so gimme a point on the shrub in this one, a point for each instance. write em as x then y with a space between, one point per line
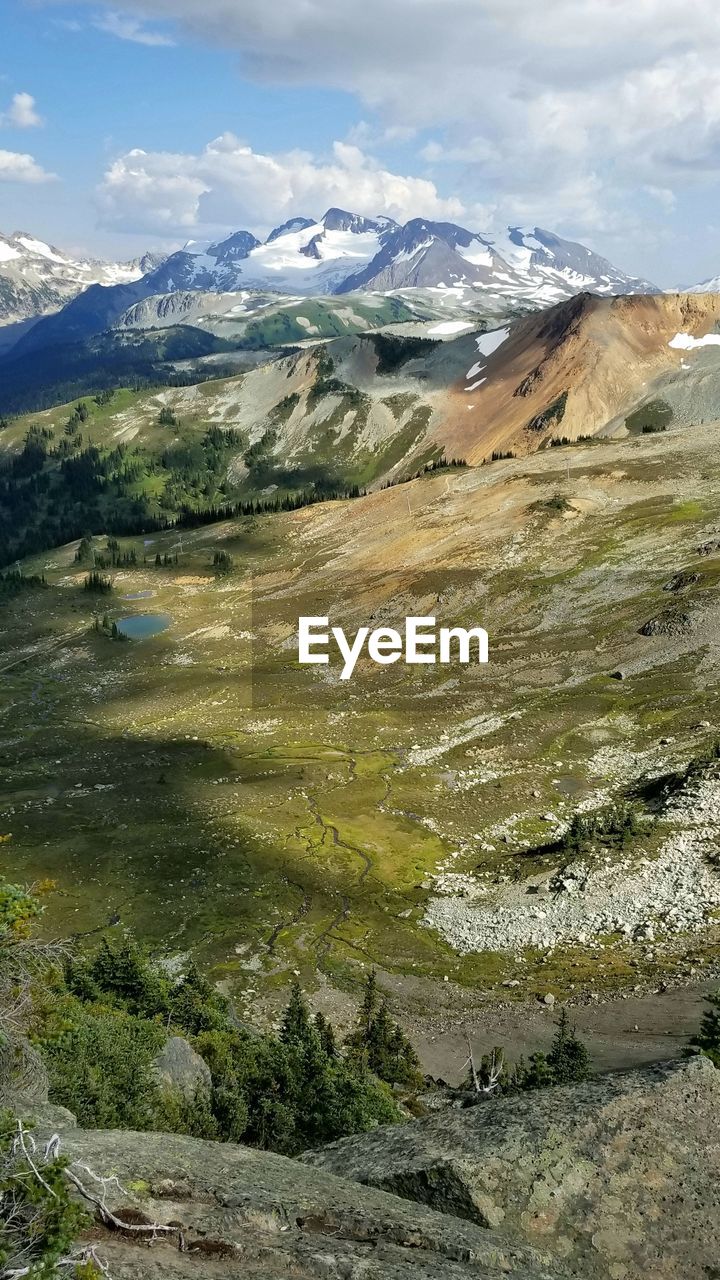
39 1221
99 1063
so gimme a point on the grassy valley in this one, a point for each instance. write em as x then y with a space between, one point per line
205 791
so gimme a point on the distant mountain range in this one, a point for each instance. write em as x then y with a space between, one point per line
36 278
706 286
341 253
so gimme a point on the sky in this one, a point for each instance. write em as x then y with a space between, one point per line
145 125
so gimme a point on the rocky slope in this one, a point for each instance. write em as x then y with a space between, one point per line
582 368
615 1179
236 1212
619 1177
368 407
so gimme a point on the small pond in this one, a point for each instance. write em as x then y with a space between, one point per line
139 595
142 625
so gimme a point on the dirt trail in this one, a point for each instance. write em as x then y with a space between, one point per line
664 1022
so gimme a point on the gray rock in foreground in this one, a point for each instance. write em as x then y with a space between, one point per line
251 1213
619 1177
180 1069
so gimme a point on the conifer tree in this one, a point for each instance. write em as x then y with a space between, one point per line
296 1027
707 1039
326 1035
568 1058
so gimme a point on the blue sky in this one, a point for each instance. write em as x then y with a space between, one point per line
162 120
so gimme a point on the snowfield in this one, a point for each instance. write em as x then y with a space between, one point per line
448 327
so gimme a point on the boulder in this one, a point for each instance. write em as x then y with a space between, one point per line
237 1212
180 1069
619 1176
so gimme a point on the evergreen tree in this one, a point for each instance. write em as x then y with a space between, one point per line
326 1035
95 583
369 1006
379 1045
120 970
568 1058
195 1004
707 1038
537 1075
296 1027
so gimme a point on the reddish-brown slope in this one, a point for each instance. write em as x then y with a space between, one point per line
602 354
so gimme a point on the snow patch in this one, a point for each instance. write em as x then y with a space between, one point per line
38 246
448 327
686 342
486 343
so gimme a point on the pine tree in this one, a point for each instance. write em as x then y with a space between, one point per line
326 1035
379 1044
195 1004
296 1027
707 1040
369 1006
538 1073
568 1058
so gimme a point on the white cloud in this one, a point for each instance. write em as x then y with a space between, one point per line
229 184
524 97
17 167
126 28
664 196
21 113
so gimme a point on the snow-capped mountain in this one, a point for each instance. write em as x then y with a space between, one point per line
524 265
36 278
301 256
706 286
344 252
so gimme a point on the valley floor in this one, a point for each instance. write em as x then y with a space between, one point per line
201 788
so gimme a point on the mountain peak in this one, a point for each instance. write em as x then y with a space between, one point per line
345 252
292 224
37 279
342 220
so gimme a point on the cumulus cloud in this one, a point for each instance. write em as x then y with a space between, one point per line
21 114
524 97
18 167
230 184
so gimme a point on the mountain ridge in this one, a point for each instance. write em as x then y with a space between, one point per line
345 252
37 278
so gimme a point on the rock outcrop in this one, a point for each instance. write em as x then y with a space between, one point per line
618 1177
246 1213
180 1069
